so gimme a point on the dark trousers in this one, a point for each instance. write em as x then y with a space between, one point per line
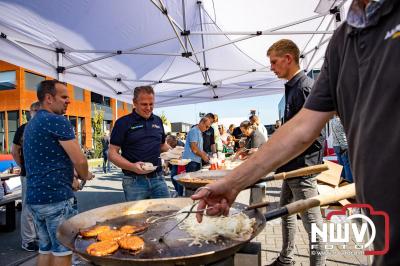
106 162
178 187
193 167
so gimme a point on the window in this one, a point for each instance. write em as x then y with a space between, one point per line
100 99
7 80
129 107
107 101
81 136
78 93
120 105
107 125
72 120
2 132
13 123
32 81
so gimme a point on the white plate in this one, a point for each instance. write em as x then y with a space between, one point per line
169 155
180 162
149 167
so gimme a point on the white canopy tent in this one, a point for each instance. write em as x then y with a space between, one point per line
174 45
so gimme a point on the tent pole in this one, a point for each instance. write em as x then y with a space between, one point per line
126 50
312 36
239 70
263 32
115 53
140 80
60 64
207 76
315 63
318 45
11 41
184 22
164 10
118 53
92 74
51 49
256 33
171 22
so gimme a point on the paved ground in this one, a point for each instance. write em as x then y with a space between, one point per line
106 189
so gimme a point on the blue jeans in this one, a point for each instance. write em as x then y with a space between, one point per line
178 187
343 159
47 218
193 167
140 187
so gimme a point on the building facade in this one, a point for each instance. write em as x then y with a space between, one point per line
18 91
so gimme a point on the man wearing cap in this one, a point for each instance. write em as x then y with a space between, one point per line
140 137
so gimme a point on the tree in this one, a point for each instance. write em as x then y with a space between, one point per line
97 123
165 120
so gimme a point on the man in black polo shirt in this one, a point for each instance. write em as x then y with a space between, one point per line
208 137
237 134
284 56
140 137
360 81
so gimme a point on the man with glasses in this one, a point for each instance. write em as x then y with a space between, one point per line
194 145
28 231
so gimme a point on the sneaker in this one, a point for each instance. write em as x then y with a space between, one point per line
31 246
277 262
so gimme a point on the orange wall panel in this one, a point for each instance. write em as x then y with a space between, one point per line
21 99
10 99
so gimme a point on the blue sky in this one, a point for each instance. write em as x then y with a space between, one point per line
265 106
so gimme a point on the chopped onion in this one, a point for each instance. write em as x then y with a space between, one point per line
236 227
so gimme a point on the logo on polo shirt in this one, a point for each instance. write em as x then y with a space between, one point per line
155 126
136 127
394 33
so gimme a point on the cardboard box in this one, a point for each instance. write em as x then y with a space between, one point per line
332 176
330 208
330 180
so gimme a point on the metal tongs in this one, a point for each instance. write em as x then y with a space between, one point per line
153 219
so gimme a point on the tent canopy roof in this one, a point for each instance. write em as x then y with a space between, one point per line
173 45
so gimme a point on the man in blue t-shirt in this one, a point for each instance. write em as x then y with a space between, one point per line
194 145
140 137
51 154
